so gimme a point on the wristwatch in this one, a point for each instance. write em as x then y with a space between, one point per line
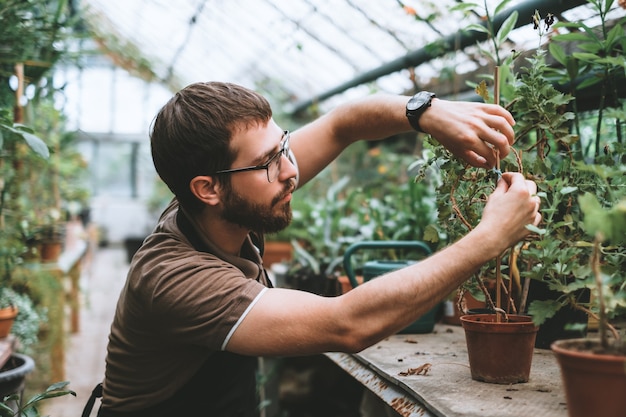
416 106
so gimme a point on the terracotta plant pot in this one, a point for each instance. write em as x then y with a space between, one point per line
275 252
452 313
51 251
595 384
7 317
499 352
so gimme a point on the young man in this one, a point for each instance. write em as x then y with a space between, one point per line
198 309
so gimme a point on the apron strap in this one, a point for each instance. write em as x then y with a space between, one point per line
96 393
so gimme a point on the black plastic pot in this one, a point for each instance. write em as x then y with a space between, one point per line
132 245
12 376
555 328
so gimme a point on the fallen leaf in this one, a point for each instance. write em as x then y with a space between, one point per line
420 370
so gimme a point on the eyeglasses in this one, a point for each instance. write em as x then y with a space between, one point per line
271 167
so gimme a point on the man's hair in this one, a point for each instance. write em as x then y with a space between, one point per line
191 134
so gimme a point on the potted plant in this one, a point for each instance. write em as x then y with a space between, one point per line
16 139
565 166
594 369
547 150
500 344
11 405
598 362
320 230
25 329
8 312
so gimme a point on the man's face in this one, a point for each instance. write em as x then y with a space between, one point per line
260 217
249 200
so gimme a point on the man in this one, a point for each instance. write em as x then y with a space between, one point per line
198 309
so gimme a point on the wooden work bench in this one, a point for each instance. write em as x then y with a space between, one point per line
68 272
447 389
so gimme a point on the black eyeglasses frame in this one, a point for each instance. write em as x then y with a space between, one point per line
284 150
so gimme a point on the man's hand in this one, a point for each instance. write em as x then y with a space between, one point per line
470 131
512 206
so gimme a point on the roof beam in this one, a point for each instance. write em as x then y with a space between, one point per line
450 43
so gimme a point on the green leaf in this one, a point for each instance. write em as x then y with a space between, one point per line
463 6
617 223
590 47
58 386
543 310
588 83
568 190
595 218
507 27
34 142
575 36
535 229
431 234
558 53
23 128
477 28
501 6
5 410
585 56
30 412
37 145
572 69
614 34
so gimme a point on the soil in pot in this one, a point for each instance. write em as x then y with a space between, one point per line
595 383
499 352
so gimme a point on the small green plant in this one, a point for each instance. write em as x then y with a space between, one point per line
15 140
373 201
29 408
608 228
28 321
597 62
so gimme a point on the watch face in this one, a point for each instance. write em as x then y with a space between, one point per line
418 101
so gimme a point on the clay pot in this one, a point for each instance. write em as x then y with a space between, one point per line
452 313
51 251
345 283
7 317
499 352
595 384
275 252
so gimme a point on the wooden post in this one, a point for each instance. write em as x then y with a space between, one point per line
18 111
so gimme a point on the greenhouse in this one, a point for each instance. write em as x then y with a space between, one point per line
312 208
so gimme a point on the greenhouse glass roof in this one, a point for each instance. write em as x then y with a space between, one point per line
299 50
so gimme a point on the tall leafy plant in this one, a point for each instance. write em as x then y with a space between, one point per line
546 151
16 140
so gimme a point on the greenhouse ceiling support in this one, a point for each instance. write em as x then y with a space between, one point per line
448 44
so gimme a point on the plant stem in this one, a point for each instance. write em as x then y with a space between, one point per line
595 267
593 315
496 98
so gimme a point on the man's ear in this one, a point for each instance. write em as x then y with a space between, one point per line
206 189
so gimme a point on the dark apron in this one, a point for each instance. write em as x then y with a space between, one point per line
225 385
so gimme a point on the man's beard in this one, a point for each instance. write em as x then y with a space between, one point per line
257 217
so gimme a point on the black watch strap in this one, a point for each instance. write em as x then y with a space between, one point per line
416 106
